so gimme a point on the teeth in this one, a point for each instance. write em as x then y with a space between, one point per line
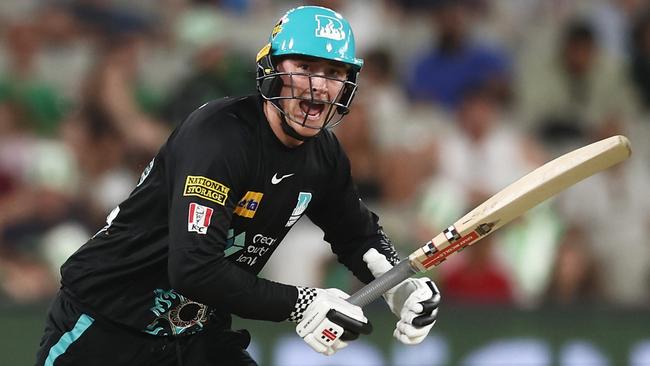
311 111
310 116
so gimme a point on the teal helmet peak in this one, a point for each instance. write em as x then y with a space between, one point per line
313 31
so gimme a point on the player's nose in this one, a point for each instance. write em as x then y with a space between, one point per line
318 86
318 82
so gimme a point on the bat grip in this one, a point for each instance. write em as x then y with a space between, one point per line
383 283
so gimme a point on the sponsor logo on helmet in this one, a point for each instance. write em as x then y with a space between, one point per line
247 206
329 27
206 188
263 52
278 26
277 29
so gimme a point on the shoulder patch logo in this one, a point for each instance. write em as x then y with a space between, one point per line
198 218
247 206
206 188
303 201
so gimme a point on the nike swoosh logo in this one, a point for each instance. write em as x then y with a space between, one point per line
276 180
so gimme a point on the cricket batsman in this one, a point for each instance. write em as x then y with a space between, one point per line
158 284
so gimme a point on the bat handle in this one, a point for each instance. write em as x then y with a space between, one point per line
383 283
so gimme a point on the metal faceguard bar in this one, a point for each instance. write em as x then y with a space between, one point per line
333 105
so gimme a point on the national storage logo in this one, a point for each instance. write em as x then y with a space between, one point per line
206 188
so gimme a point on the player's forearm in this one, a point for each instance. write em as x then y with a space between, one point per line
218 283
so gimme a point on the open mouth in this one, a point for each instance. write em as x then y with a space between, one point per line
311 110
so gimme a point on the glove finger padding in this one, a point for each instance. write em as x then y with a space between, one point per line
428 305
416 292
352 327
419 312
426 319
409 330
429 308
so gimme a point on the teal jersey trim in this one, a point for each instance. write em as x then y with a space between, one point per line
68 338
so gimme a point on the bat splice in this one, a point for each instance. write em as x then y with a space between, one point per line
458 243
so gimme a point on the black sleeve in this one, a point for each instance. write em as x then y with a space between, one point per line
206 176
349 226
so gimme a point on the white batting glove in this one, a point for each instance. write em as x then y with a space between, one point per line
326 320
415 301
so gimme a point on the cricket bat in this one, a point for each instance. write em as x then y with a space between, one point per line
508 204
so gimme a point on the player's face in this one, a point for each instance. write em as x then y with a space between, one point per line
312 87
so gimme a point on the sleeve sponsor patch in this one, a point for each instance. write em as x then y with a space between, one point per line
198 218
301 207
248 205
206 188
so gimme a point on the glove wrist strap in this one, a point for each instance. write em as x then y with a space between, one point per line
306 296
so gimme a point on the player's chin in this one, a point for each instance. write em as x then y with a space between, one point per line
311 126
305 131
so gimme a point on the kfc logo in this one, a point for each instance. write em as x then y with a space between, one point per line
199 218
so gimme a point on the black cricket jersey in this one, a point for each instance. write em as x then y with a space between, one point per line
207 213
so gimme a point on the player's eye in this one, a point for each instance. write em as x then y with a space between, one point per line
303 67
337 73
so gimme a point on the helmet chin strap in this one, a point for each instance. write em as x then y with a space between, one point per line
289 130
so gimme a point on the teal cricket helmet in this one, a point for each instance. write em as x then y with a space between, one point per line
317 32
311 31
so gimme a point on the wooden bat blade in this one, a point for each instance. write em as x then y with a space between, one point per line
520 196
509 203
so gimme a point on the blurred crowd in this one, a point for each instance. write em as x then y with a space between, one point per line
457 99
